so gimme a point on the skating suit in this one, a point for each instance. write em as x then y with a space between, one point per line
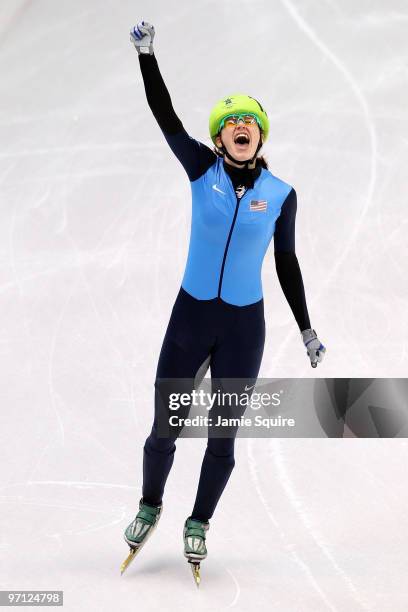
217 320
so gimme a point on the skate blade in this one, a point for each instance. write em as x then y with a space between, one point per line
129 559
195 568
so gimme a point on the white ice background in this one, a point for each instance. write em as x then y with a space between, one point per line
94 228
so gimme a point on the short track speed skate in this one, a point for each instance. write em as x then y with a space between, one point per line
140 530
194 545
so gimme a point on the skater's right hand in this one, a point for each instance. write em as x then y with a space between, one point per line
142 37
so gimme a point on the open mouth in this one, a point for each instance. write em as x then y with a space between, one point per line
241 140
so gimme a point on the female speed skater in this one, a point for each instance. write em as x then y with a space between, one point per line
218 316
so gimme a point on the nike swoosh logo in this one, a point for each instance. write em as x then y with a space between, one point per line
219 190
248 388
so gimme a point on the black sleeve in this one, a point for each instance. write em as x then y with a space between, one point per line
287 265
195 156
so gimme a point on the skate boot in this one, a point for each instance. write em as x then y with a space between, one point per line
194 545
140 530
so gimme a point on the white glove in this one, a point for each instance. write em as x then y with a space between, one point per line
142 37
314 347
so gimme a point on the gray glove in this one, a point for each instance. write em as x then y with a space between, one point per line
314 347
142 37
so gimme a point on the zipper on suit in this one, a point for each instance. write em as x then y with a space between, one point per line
227 244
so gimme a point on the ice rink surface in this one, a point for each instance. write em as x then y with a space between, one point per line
95 216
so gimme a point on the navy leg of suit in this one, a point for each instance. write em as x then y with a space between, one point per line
232 337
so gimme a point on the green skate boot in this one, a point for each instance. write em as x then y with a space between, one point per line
194 545
140 530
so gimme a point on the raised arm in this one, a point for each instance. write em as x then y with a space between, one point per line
195 157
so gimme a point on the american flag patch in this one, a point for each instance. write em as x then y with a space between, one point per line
258 205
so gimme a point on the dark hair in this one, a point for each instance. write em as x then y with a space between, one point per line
260 159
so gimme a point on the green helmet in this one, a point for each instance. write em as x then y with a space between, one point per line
234 104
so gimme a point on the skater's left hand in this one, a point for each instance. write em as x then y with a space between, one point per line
314 347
